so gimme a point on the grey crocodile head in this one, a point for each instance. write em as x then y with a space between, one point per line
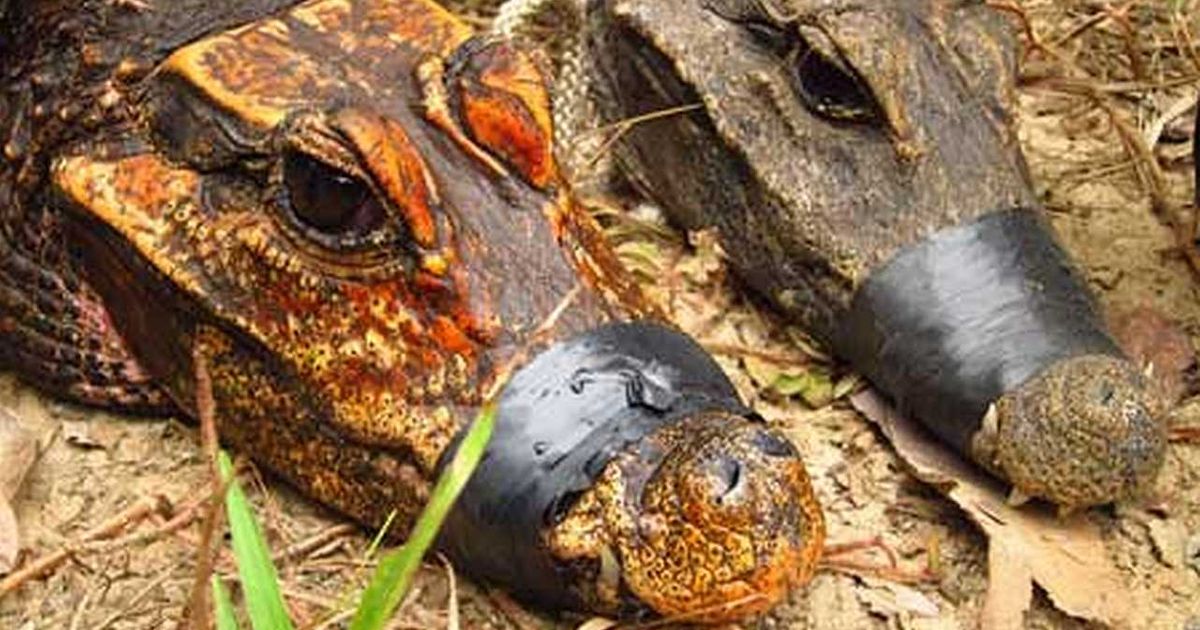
859 162
829 134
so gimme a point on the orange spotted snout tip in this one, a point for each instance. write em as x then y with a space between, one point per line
727 523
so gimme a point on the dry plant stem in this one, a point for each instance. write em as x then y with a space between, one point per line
81 610
517 616
314 542
1098 174
327 549
272 512
875 542
182 518
1120 16
196 613
1034 42
1148 168
1084 26
294 595
402 612
1154 181
622 127
335 621
875 570
889 570
1184 40
452 622
1145 163
1078 85
1189 434
674 282
128 609
44 565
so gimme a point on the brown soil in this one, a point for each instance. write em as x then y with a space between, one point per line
1108 206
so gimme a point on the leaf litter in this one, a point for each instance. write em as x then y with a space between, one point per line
1030 544
18 451
1109 210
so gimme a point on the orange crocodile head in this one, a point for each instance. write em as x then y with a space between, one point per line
351 210
358 192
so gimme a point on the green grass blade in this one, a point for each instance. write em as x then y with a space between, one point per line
223 606
396 568
264 604
373 548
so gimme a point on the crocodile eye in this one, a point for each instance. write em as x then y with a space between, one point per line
829 88
826 84
327 200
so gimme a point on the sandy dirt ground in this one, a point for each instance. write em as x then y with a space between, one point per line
1111 160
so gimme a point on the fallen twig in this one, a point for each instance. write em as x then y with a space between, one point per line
1184 434
314 542
39 568
124 611
197 611
452 599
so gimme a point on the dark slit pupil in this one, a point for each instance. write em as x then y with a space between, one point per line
326 199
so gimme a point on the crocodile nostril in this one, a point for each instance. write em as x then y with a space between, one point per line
727 477
774 445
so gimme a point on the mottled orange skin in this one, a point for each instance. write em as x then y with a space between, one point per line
495 93
690 542
387 345
348 365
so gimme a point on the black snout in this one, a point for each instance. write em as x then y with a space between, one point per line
952 323
560 421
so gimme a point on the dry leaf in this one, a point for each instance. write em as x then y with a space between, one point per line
1169 538
87 436
18 449
812 384
10 538
1010 586
1192 552
889 598
597 623
641 257
763 373
707 258
1066 557
1157 343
